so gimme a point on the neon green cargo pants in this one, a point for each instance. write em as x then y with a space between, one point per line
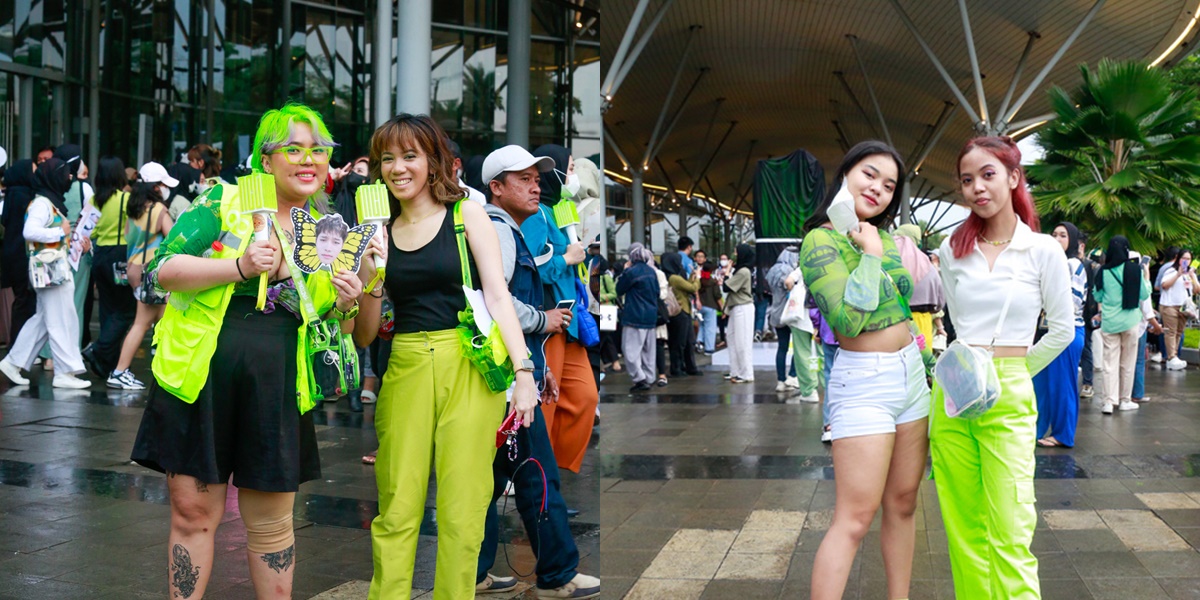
983 470
433 408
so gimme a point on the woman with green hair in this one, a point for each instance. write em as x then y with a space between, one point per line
234 401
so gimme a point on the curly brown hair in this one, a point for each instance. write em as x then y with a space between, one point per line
417 131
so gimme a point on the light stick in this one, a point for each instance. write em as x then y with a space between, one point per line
257 191
373 207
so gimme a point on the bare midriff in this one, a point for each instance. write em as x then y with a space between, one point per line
890 339
1008 351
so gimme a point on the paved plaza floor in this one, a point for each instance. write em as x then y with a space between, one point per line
78 520
717 490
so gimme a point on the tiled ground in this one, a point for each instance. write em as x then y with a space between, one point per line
711 490
77 520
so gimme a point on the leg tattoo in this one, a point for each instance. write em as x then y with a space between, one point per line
201 487
184 575
282 560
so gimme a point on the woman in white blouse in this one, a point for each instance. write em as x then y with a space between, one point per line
983 468
1178 285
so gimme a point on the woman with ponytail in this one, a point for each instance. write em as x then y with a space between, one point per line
1120 290
1008 276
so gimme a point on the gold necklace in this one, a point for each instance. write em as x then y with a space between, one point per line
997 243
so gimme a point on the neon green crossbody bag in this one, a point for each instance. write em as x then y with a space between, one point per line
488 353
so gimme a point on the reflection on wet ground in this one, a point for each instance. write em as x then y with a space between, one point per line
719 490
79 520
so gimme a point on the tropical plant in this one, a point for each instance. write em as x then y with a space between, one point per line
1120 158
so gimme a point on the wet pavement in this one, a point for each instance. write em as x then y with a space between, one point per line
78 520
716 490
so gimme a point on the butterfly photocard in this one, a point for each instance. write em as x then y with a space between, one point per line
328 244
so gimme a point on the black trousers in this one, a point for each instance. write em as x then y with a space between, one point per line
679 341
24 305
117 306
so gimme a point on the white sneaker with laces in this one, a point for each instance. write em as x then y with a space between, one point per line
12 372
1176 364
1106 409
71 382
792 383
1128 405
124 380
1156 357
811 398
781 387
1085 391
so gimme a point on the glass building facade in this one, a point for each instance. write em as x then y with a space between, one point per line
166 74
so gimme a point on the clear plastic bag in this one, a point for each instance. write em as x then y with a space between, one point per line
967 378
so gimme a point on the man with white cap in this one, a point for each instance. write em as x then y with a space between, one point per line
511 173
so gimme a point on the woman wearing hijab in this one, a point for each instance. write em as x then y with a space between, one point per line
739 305
18 193
683 358
638 285
1057 387
1119 290
46 227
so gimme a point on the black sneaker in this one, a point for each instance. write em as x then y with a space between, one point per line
89 358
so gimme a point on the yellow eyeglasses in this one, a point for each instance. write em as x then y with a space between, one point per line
296 155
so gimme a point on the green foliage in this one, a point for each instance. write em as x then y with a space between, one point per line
1122 158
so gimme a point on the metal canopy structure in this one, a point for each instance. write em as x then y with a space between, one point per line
696 88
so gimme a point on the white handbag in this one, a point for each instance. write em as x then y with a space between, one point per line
967 375
48 268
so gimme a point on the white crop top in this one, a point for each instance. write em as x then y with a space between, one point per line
1035 268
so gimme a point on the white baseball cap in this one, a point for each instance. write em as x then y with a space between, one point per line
513 158
153 172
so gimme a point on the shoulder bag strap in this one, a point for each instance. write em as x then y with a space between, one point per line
306 305
460 235
1003 315
121 238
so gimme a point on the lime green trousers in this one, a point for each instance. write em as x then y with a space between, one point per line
434 409
983 470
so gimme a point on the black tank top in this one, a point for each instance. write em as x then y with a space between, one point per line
425 285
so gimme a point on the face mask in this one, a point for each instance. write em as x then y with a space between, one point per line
572 184
724 262
164 191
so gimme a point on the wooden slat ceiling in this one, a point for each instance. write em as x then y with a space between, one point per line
773 62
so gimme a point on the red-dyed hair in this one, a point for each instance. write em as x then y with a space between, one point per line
1005 149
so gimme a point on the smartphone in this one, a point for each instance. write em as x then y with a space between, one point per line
565 304
1145 261
511 425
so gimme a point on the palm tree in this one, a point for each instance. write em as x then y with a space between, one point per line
1120 158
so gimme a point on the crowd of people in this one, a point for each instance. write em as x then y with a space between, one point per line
182 250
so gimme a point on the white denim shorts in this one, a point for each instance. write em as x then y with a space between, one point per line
873 392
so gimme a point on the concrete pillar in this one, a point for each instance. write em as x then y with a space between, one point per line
93 121
414 55
381 88
683 219
906 215
520 16
25 123
285 50
638 219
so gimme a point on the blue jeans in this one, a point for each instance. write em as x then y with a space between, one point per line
760 314
782 370
708 328
1139 370
549 535
830 351
1085 358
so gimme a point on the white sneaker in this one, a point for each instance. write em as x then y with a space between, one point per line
781 387
1156 357
582 586
810 398
826 436
1106 409
12 372
792 383
124 380
1128 405
1176 364
66 380
1085 391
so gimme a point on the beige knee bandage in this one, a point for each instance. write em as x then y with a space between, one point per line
268 520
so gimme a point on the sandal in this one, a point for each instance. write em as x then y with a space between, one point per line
369 459
1049 442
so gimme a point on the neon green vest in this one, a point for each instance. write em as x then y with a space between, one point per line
186 336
